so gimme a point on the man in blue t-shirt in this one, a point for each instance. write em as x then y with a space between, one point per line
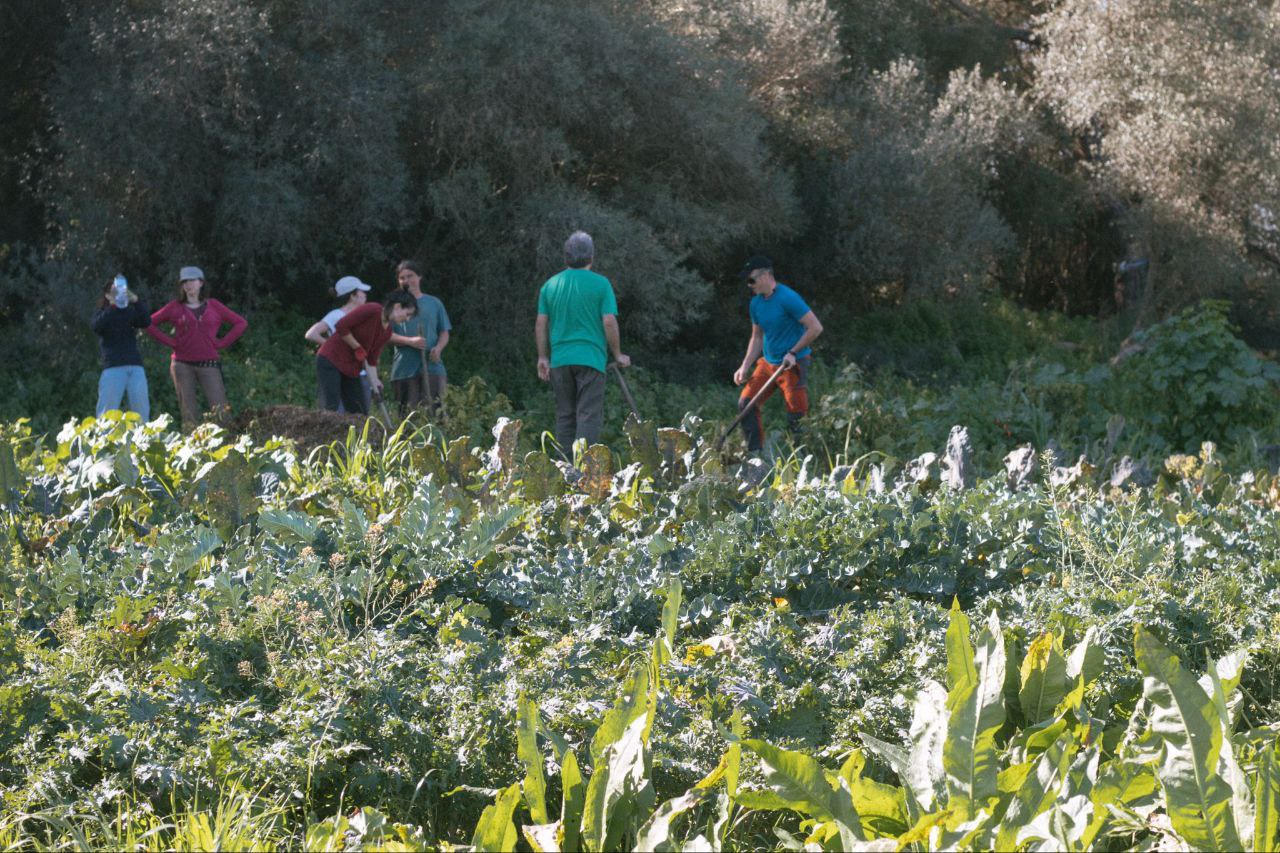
782 327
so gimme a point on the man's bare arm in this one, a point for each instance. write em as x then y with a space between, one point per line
542 338
754 348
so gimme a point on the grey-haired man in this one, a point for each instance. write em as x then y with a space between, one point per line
576 330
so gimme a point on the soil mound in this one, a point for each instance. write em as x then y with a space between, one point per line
308 428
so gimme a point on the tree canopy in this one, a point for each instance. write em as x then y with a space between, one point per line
880 151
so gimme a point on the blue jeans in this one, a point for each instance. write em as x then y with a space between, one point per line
115 382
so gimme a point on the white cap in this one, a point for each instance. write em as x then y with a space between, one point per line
349 283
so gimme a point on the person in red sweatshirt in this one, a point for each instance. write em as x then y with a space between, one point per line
195 320
356 343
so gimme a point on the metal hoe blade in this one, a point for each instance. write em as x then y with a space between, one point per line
382 407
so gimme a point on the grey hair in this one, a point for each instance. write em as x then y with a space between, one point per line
579 249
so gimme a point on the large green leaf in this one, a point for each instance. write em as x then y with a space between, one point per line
673 444
656 833
1044 675
619 791
671 614
290 526
1061 826
535 785
573 803
881 808
543 837
663 649
976 705
327 836
11 480
1184 719
597 472
925 776
644 445
225 492
460 462
1087 658
481 535
1038 790
894 756
800 782
960 666
719 827
1120 783
631 704
1084 665
126 469
502 455
925 831
619 785
1220 683
495 831
734 753
540 477
1266 800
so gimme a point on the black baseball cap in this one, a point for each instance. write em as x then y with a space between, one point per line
755 262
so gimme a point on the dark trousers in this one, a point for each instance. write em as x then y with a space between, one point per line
337 387
579 394
409 391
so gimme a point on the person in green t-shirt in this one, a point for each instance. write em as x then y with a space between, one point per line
577 328
419 343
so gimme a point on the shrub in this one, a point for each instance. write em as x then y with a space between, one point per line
1194 379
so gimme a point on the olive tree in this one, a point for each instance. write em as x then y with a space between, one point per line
910 205
280 145
248 138
530 120
1175 104
787 53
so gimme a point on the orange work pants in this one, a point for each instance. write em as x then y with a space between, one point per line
795 396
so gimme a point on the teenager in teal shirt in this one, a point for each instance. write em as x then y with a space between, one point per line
577 329
421 339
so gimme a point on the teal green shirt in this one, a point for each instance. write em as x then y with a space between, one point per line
574 302
429 322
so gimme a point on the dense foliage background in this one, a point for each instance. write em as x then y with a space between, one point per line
1049 223
416 641
1089 157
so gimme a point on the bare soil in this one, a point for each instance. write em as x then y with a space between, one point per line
309 428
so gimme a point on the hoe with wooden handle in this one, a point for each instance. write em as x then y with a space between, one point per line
382 406
626 392
435 406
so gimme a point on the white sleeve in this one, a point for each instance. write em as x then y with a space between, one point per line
331 319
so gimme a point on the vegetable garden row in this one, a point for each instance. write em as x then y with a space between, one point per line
415 643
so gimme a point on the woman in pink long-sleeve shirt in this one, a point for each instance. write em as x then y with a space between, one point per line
195 320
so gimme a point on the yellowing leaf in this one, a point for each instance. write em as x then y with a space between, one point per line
712 646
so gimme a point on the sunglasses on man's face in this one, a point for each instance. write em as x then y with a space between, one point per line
752 279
